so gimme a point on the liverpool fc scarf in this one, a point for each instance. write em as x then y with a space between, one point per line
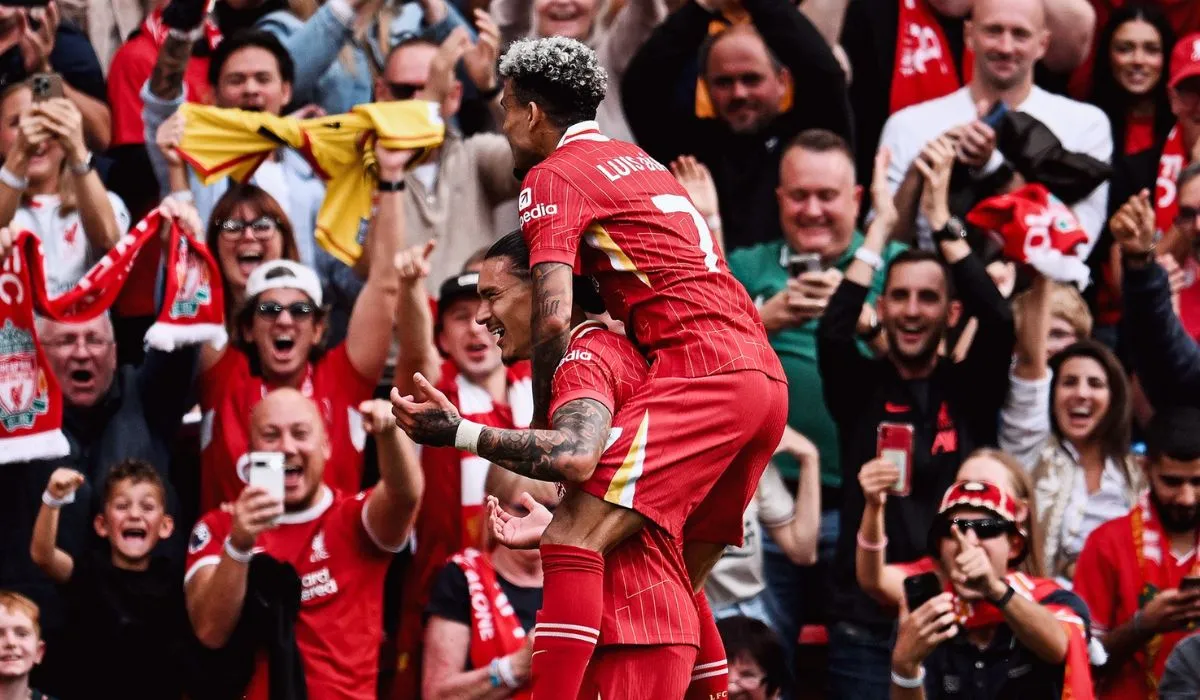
924 67
340 148
1077 676
30 400
1170 164
1153 549
495 628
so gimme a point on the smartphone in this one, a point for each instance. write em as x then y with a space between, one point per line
799 263
46 86
920 589
266 471
995 114
894 442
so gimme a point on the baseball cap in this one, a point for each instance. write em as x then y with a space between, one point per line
460 286
1185 59
284 274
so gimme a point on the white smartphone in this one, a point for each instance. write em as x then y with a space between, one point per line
266 471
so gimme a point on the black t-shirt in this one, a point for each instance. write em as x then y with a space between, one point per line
450 599
125 630
958 669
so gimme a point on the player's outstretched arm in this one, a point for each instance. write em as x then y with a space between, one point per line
567 452
551 323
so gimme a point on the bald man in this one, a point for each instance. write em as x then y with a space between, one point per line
339 544
1008 37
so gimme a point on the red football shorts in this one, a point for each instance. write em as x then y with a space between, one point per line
638 672
688 452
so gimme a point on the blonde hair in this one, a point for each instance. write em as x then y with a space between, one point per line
1065 302
68 201
16 603
1022 490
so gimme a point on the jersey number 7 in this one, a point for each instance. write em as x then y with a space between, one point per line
677 204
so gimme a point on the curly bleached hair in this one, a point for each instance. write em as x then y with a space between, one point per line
561 75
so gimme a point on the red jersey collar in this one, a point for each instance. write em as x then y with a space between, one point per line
312 512
585 328
582 131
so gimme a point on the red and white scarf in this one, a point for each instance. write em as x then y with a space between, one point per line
154 28
924 68
30 399
1077 675
1153 549
495 628
1170 164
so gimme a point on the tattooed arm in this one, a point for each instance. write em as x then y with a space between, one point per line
568 451
166 81
551 323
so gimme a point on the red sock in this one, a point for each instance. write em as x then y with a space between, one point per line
710 677
569 621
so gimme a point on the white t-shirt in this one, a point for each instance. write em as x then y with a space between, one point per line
67 252
1081 127
738 575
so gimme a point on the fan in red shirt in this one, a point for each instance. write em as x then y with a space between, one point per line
340 545
279 333
1133 572
646 618
485 391
714 404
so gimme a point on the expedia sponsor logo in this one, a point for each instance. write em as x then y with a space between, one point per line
317 584
538 211
524 198
576 354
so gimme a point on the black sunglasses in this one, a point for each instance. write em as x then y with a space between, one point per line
298 310
404 91
984 528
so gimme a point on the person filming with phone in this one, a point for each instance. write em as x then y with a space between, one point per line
915 407
1139 573
971 626
338 547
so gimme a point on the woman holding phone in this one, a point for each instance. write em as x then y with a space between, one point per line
885 582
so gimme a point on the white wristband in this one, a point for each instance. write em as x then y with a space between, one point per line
909 683
57 502
13 180
506 672
236 554
870 257
183 196
467 437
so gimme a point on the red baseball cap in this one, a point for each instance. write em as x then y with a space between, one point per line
979 494
1185 59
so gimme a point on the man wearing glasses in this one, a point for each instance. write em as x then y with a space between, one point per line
111 413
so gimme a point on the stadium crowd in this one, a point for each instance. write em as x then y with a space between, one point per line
971 229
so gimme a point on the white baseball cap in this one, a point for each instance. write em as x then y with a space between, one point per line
284 274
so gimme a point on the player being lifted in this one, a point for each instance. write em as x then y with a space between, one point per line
714 404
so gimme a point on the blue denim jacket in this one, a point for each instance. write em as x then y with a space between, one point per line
322 77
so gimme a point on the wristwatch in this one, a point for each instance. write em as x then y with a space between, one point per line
84 166
1002 601
952 231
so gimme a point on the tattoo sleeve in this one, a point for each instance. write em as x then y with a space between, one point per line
551 328
166 81
568 452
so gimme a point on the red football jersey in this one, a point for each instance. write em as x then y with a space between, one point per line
659 270
341 570
647 593
228 391
1108 579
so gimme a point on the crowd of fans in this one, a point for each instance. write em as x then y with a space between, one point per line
977 220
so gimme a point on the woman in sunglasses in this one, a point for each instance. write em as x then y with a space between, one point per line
279 335
885 582
992 632
1067 418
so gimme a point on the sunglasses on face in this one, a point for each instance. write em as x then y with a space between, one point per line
1186 216
260 228
984 529
271 310
404 91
